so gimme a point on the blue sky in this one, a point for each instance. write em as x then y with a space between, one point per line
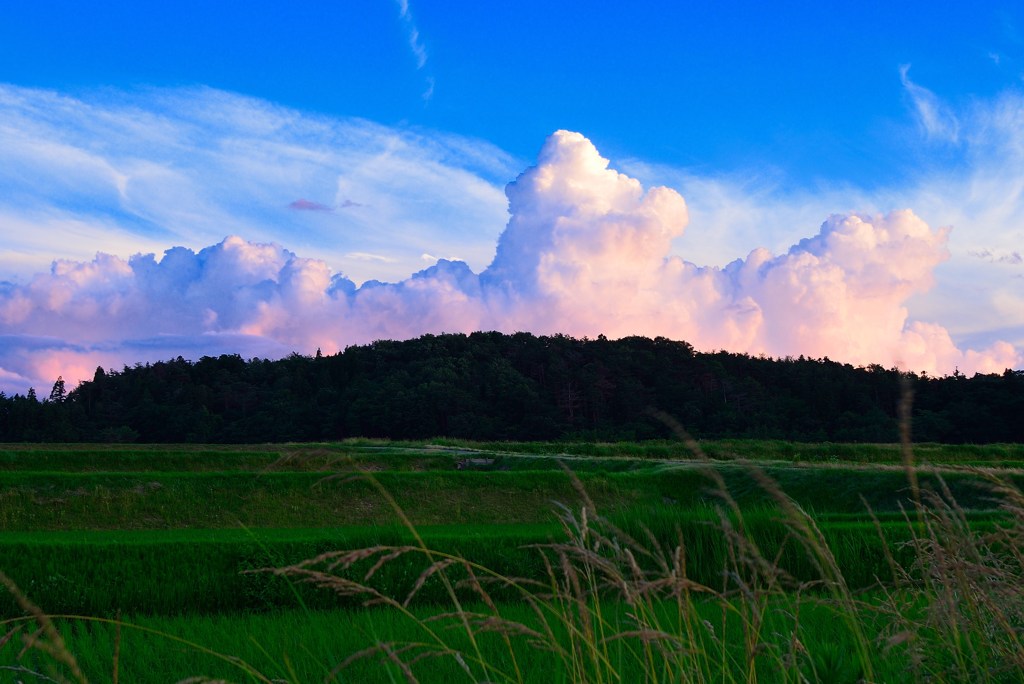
711 85
378 136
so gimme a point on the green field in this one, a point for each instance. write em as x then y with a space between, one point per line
654 561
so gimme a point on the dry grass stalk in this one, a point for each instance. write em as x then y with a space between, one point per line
966 577
46 639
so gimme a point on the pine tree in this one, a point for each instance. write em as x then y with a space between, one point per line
58 394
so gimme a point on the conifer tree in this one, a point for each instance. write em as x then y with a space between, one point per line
58 394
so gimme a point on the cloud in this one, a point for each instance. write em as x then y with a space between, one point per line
366 256
309 205
434 259
591 245
587 250
415 45
937 120
978 189
419 51
137 171
975 186
1007 258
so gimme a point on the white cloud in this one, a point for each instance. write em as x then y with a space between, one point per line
365 256
975 186
126 172
586 251
593 247
936 119
419 51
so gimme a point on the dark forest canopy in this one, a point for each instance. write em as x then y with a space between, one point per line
492 386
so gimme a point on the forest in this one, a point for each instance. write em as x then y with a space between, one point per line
494 386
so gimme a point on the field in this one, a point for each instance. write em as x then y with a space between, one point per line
655 561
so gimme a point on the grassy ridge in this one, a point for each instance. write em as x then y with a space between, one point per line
205 571
56 501
444 453
209 576
49 501
759 450
212 458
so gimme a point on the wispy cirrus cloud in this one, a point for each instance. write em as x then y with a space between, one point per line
137 171
415 44
366 256
936 119
419 51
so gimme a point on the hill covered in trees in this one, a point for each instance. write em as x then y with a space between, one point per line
492 386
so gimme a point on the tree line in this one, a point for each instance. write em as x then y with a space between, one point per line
493 386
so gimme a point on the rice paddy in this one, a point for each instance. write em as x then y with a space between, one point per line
756 561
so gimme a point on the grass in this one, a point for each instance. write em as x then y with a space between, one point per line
304 646
612 608
204 571
58 501
444 454
668 571
40 501
616 609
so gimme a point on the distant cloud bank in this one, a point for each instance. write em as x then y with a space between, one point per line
586 251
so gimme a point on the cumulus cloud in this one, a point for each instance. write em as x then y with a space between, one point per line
587 250
591 245
981 194
975 185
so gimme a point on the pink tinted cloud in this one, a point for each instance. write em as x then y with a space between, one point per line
308 205
586 251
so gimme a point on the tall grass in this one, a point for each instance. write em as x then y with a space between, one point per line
782 599
615 607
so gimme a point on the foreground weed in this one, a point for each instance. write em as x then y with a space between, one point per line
54 662
45 638
610 608
615 603
614 608
957 611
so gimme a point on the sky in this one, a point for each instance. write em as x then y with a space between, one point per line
820 179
